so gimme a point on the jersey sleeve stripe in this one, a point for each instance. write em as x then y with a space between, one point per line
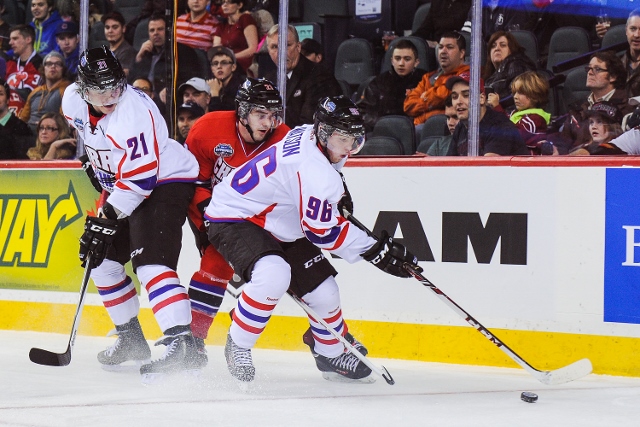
146 183
144 168
246 327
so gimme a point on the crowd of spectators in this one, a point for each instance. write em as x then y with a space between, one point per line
219 43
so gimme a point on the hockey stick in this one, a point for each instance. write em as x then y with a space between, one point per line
49 358
565 374
380 371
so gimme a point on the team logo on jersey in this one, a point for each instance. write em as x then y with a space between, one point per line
354 111
78 124
223 150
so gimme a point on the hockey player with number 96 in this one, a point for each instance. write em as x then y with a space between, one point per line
149 179
288 192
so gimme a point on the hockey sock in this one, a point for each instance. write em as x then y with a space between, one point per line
168 298
269 281
206 290
325 301
117 291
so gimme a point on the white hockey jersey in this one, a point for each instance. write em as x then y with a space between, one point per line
292 191
129 149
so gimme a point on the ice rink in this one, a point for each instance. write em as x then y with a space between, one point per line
289 391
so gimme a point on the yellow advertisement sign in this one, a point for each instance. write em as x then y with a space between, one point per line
41 220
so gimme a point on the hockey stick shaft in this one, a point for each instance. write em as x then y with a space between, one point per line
568 373
379 371
49 358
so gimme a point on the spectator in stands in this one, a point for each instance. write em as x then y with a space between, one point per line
441 146
504 15
46 98
498 136
197 28
427 99
68 46
5 30
606 77
54 140
226 79
23 70
150 62
143 84
114 30
188 113
195 90
15 136
631 58
312 50
604 126
307 83
443 16
45 21
386 93
149 8
505 61
239 33
530 94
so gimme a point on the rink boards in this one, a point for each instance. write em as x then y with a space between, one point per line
544 252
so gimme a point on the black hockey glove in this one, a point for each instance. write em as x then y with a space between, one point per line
346 202
390 256
88 169
98 236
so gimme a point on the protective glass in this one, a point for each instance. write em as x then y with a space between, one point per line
345 143
259 114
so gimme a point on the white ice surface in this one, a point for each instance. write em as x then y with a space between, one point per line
289 391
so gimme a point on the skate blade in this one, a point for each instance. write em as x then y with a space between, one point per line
335 377
244 386
128 366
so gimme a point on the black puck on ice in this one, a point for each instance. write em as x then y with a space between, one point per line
529 397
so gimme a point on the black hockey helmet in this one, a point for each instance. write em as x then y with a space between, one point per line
339 113
99 71
259 94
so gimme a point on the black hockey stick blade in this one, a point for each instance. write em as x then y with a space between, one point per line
49 358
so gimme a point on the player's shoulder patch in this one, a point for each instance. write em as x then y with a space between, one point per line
223 150
78 124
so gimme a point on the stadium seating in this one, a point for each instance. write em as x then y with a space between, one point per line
354 62
382 145
399 127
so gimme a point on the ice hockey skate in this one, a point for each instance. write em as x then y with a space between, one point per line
202 351
180 356
130 350
343 368
239 363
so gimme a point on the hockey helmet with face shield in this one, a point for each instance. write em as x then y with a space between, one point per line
339 126
258 97
101 79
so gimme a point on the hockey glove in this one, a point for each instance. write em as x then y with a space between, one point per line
88 169
98 236
346 202
390 256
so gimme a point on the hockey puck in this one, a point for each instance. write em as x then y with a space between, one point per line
529 397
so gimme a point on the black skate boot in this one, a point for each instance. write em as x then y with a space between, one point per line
202 351
307 338
344 368
130 346
181 355
239 363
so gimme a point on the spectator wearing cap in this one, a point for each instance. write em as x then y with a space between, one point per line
23 70
45 21
46 98
15 136
197 28
604 126
606 78
498 135
188 113
67 40
226 80
114 30
195 90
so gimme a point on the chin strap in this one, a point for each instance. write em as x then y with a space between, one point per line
248 128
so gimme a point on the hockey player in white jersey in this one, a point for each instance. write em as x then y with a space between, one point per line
288 192
149 180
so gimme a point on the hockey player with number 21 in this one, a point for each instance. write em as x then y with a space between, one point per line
291 191
149 178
